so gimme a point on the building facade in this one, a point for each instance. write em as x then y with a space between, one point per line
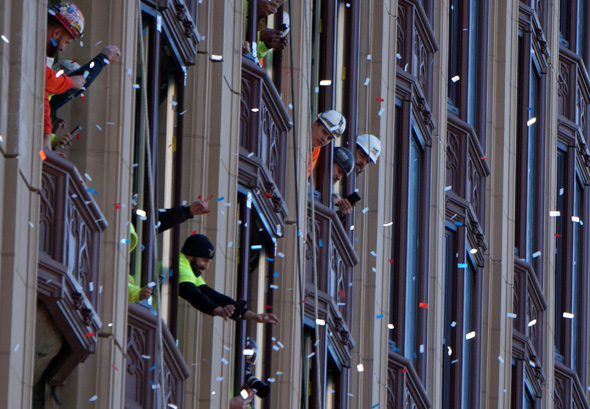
459 281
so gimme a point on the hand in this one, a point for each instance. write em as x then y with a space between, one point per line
237 402
224 312
61 140
266 7
79 81
110 51
145 293
344 205
246 47
201 206
272 39
268 318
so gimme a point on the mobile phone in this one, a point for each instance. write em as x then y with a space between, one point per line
353 198
76 131
284 29
239 311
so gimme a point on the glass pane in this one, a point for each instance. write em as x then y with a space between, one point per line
532 164
468 326
449 329
576 279
559 249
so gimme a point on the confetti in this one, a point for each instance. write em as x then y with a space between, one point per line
219 378
575 219
89 334
554 213
532 322
360 367
173 103
248 352
117 206
276 274
42 154
380 316
125 241
531 363
91 286
152 368
151 284
93 399
74 196
500 359
244 393
461 265
511 315
274 287
536 254
320 243
447 188
367 81
454 362
455 78
276 348
87 176
16 347
557 235
221 199
398 56
215 57
320 321
473 251
568 315
93 191
458 224
230 244
423 305
375 405
365 210
99 128
280 345
136 86
310 355
531 121
31 225
114 367
5 39
380 100
146 356
172 406
390 326
453 324
388 224
381 112
374 270
325 83
373 254
368 57
224 361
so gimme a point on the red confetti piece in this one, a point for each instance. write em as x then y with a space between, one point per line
42 154
82 97
268 306
268 194
75 61
199 197
404 370
112 60
380 100
303 301
195 232
78 136
114 367
557 235
423 305
81 181
483 158
391 260
89 334
342 294
117 206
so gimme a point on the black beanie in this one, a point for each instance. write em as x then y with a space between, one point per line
198 245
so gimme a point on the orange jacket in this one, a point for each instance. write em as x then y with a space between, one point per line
54 84
315 155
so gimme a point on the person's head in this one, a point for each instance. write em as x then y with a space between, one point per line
368 148
65 23
199 251
329 125
343 163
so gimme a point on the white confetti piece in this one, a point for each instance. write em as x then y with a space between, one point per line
250 154
536 254
388 224
215 57
280 345
110 123
281 255
93 399
172 406
91 286
422 348
568 315
226 348
511 315
248 352
398 56
455 78
561 192
453 324
146 356
320 321
279 373
231 243
317 90
31 225
98 43
16 347
244 393
367 81
531 363
325 83
274 287
373 254
219 378
554 213
310 355
81 44
447 188
365 210
532 322
270 380
100 289
59 73
360 367
276 348
575 219
374 270
368 57
449 350
381 112
224 361
291 106
531 121
470 335
454 362
5 39
500 359
173 103
136 86
98 127
87 176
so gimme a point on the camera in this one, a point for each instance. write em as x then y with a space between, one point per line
260 388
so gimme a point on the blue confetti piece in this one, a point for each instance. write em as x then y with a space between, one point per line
153 367
221 199
461 265
256 247
152 382
458 224
92 191
356 240
415 356
142 247
171 271
375 405
298 233
276 274
380 316
125 241
396 349
529 108
320 243
270 259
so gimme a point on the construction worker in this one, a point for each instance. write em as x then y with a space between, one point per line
343 165
329 125
368 148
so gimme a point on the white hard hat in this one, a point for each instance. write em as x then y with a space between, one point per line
334 121
370 144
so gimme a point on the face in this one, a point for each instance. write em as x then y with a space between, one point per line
320 135
361 159
61 39
337 173
199 264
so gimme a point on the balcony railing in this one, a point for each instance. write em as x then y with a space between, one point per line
404 389
68 280
335 258
142 383
264 125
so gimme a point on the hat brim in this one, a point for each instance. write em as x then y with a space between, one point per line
327 125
